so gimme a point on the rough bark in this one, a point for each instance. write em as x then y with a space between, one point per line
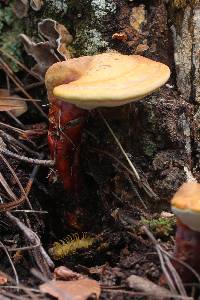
185 26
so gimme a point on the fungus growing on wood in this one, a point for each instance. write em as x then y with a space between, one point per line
186 206
80 84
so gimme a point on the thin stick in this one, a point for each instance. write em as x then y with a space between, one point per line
136 192
176 276
18 99
19 64
7 187
34 239
18 130
144 185
183 264
11 263
29 86
30 211
25 197
46 163
120 146
13 204
11 139
163 260
20 286
20 86
12 116
170 296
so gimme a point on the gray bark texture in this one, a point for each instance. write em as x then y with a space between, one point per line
160 133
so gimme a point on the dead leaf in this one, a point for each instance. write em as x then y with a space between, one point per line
48 52
10 105
71 290
57 34
63 273
41 52
20 8
98 270
17 107
3 279
36 4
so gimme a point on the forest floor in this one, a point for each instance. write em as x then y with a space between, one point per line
101 236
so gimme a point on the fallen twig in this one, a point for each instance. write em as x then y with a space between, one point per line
151 289
141 183
12 116
41 257
46 163
17 82
19 64
11 263
29 86
120 146
16 142
16 179
132 293
171 276
7 188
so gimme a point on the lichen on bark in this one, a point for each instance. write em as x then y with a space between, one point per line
10 28
186 34
91 33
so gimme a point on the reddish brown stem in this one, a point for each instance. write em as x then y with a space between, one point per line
64 138
187 250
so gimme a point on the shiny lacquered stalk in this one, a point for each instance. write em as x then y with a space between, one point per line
187 250
64 139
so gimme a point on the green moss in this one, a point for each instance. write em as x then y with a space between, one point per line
10 28
161 227
149 147
6 16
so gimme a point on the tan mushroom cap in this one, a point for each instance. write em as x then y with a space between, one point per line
108 79
187 197
186 205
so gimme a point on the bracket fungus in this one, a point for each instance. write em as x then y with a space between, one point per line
81 84
186 206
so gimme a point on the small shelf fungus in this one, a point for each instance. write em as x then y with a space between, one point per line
186 206
80 84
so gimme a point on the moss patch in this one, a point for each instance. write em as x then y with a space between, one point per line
161 227
10 28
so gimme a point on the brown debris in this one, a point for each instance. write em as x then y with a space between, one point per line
120 36
41 52
57 34
146 286
17 107
36 4
137 17
20 8
141 48
79 289
3 279
50 51
63 273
